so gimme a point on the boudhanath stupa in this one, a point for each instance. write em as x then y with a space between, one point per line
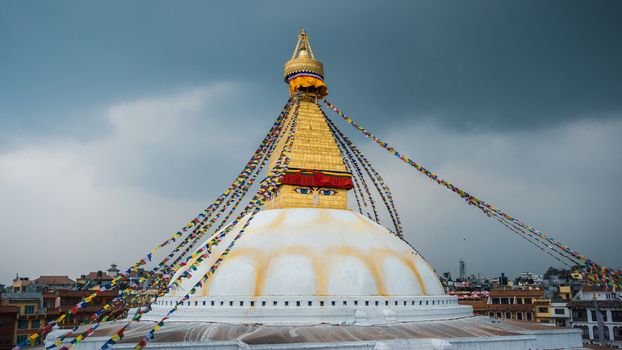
306 270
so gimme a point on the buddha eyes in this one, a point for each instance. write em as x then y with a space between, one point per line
303 190
309 190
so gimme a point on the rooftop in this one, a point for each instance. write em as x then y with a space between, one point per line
51 280
516 292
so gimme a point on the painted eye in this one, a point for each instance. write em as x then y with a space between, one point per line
303 190
327 192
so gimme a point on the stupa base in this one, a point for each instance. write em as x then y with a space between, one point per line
463 333
299 310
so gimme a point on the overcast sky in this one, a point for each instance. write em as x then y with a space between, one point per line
120 120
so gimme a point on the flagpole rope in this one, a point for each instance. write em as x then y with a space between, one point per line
595 272
240 180
373 175
269 188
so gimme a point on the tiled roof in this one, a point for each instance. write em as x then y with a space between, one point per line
51 280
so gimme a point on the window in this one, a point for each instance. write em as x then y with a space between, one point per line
519 300
321 302
366 302
252 303
527 300
616 316
212 303
617 333
491 314
508 315
395 303
356 302
519 316
309 303
376 302
579 315
196 303
274 303
542 309
35 324
298 303
594 319
230 303
345 303
498 315
495 300
287 303
332 303
22 324
29 309
559 312
20 338
241 303
529 316
595 332
505 301
263 303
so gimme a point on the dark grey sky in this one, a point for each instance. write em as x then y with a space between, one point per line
116 112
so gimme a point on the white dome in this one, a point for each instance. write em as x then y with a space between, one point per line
315 252
311 266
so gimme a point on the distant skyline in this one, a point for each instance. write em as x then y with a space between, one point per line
119 121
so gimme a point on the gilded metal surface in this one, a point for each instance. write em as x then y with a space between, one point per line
313 148
303 59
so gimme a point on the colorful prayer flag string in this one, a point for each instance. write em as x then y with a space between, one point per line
595 272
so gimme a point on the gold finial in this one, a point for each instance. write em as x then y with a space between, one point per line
303 60
303 47
304 65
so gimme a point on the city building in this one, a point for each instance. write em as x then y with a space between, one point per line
522 304
30 312
23 313
560 313
528 279
584 307
20 284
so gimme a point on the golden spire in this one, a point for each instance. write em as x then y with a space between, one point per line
316 175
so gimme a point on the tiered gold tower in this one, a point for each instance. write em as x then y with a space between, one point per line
316 176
